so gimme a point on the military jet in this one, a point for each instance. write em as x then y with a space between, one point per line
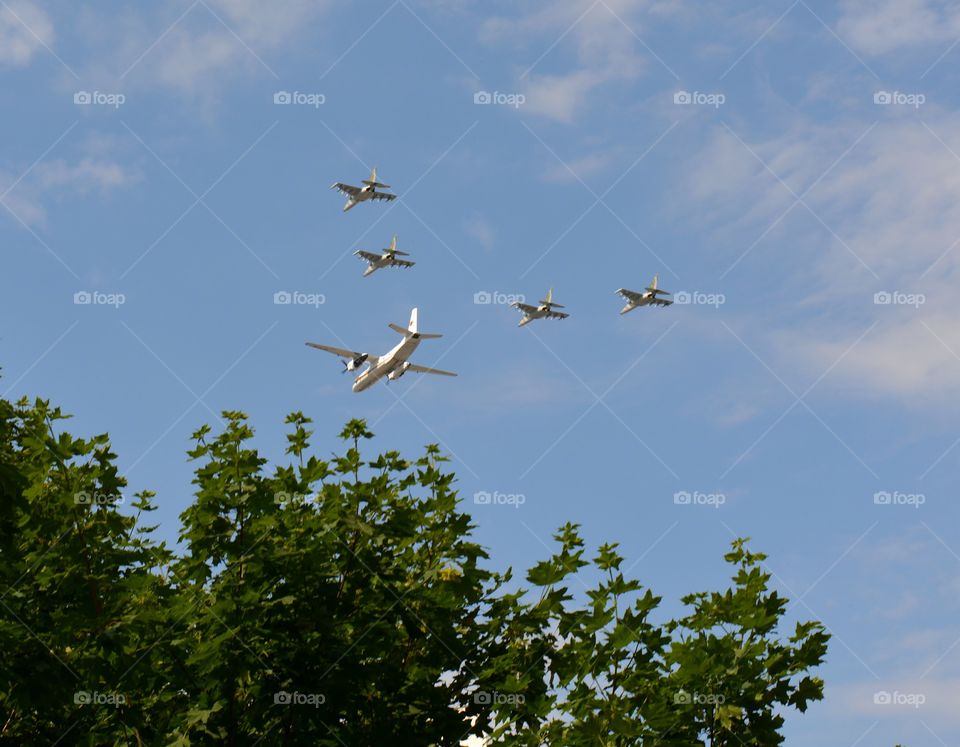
393 364
368 191
544 310
646 298
387 259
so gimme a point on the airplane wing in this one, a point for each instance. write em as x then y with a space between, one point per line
382 196
424 369
656 291
630 295
401 263
556 315
526 308
661 302
369 256
347 189
336 351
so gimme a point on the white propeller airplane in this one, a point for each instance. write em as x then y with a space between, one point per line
367 192
544 310
393 365
387 259
647 298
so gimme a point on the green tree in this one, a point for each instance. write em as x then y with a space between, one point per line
603 673
80 603
337 600
342 601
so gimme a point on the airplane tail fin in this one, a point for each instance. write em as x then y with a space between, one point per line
548 301
655 290
413 329
372 181
392 249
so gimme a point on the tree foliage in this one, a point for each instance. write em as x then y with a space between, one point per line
342 601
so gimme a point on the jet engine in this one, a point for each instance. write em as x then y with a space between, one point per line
398 371
354 363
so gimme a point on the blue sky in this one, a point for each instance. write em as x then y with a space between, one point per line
816 165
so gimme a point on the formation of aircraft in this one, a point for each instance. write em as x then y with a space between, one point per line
396 363
648 297
387 259
393 364
356 195
544 310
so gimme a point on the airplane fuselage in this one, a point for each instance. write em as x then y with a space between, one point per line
372 267
387 364
645 300
530 316
362 196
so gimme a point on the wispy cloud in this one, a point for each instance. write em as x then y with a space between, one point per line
878 27
882 214
55 179
192 49
25 29
482 230
602 38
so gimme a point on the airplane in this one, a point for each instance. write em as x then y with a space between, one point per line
647 298
367 192
387 259
545 309
393 365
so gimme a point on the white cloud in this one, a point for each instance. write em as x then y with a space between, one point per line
83 176
29 198
560 97
24 30
880 26
604 47
903 359
893 202
195 51
482 230
271 23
